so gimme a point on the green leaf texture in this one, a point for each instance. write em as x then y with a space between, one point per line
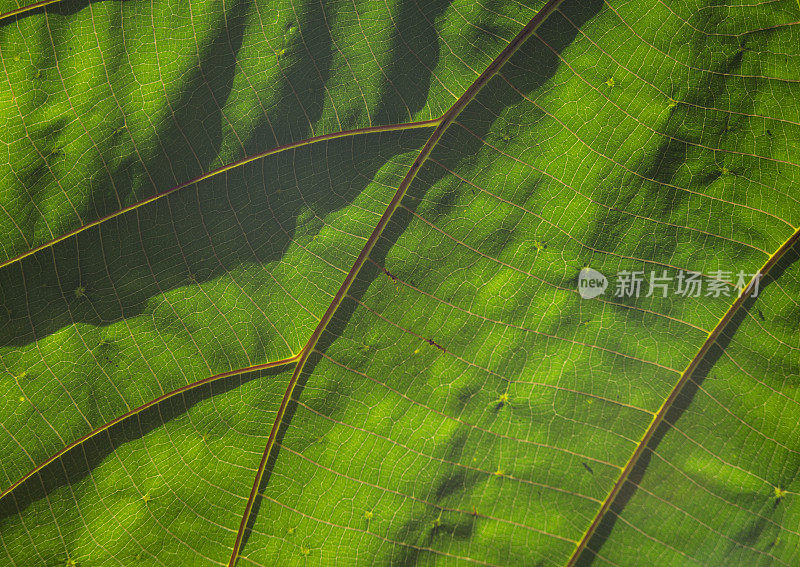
296 283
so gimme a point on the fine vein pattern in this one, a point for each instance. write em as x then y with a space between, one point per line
298 282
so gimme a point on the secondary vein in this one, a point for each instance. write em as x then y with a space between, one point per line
443 124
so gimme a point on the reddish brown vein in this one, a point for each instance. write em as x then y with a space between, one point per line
141 408
223 169
673 395
443 124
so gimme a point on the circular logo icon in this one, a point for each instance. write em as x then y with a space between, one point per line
591 283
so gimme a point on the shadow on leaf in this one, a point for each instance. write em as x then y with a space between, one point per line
682 404
468 135
76 464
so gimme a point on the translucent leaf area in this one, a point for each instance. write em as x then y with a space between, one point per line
299 283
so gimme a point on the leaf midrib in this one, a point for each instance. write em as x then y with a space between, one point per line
446 120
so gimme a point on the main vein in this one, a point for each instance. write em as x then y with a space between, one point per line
443 124
686 376
27 8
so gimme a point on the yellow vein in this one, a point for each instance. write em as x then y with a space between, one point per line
28 8
713 335
138 410
443 124
224 169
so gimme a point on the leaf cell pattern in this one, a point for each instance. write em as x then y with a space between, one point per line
291 283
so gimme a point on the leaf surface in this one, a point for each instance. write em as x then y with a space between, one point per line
345 240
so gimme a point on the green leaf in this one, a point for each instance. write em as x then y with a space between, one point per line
297 283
